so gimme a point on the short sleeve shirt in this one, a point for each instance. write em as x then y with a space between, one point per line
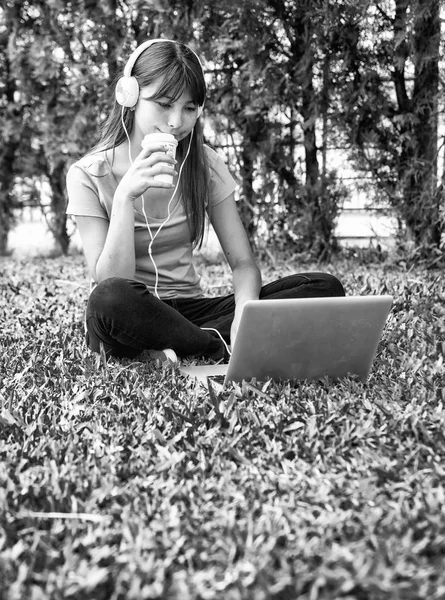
92 185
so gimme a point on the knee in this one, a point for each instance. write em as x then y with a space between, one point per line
333 285
109 294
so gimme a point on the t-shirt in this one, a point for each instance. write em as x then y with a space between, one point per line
92 186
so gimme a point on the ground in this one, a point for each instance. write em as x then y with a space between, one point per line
127 480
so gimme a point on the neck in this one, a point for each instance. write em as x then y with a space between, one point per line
135 144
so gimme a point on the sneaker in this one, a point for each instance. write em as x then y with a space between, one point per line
164 356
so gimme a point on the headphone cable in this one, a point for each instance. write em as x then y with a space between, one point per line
153 237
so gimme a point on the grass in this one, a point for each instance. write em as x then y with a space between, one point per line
129 481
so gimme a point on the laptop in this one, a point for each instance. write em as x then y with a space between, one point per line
303 339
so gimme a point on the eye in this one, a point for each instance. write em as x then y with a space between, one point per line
164 104
191 108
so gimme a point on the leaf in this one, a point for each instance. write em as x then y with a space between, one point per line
8 418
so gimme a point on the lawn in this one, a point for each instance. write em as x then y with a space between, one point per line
127 480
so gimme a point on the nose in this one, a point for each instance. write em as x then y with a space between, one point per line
174 119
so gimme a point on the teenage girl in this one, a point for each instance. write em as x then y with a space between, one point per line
138 233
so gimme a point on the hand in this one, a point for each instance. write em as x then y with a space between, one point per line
151 161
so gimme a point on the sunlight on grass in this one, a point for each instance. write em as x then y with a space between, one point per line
130 481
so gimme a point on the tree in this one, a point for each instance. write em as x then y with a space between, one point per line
288 79
390 109
267 93
64 58
418 169
12 117
61 71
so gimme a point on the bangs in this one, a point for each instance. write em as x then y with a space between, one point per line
175 81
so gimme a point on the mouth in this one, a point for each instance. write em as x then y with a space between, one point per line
175 135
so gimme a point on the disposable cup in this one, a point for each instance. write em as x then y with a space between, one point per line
170 144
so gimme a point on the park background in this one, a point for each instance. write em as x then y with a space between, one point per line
124 480
330 114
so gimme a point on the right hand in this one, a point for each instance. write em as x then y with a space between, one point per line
140 176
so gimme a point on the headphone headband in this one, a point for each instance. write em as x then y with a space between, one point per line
127 87
138 51
136 54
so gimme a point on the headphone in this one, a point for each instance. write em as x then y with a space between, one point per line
127 87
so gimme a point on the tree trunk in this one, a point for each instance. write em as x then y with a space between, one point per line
316 236
245 209
57 222
418 174
7 156
5 221
11 121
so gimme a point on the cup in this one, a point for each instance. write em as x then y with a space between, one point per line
170 144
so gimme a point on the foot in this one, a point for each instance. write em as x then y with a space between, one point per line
164 356
217 351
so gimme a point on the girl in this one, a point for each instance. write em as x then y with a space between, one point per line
138 232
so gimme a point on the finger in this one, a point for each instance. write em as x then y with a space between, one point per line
162 168
157 158
151 147
159 176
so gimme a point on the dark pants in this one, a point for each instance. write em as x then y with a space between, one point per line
127 318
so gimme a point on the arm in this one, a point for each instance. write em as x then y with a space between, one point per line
109 244
235 244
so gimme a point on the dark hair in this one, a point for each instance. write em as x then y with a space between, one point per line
178 69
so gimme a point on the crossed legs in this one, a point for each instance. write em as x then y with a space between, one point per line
127 318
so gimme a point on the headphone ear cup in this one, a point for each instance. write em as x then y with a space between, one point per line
127 91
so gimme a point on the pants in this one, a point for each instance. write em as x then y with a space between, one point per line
127 318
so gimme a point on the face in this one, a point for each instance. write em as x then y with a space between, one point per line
164 115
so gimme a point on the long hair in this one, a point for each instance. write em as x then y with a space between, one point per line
178 70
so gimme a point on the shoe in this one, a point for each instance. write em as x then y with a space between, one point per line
164 356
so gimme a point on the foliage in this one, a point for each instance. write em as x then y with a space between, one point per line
267 100
288 81
128 480
389 108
